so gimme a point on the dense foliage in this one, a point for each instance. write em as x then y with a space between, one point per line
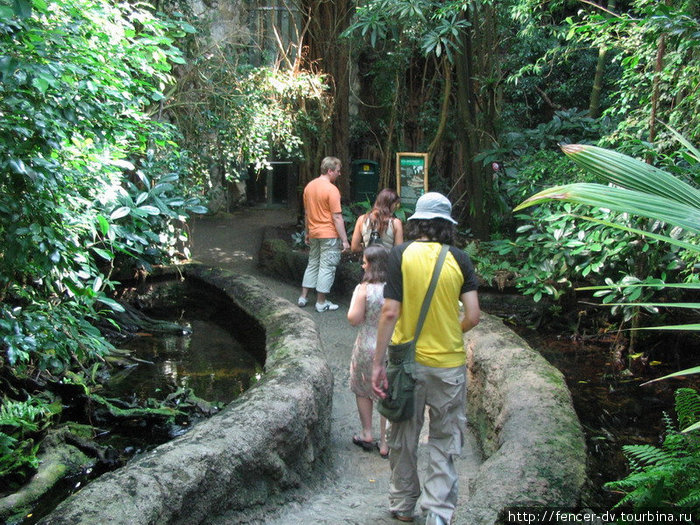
90 184
88 178
251 115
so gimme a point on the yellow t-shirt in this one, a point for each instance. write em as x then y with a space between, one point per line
321 201
411 267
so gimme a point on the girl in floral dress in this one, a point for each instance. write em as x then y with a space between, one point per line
365 307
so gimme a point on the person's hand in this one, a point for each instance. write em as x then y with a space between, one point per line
380 384
346 245
306 239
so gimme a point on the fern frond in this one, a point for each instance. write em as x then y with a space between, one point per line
646 455
687 407
669 423
668 475
692 500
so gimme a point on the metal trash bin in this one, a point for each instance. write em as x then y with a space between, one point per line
365 180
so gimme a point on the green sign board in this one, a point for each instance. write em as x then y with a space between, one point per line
411 178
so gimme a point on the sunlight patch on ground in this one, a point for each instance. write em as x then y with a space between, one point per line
229 255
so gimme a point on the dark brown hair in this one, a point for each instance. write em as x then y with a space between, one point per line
377 257
436 230
382 211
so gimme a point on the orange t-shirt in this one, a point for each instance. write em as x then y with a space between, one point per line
321 201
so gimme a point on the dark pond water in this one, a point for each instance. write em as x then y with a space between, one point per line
613 407
220 355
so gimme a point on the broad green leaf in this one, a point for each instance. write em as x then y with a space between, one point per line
106 255
689 286
675 327
692 427
680 138
40 84
121 163
680 373
202 210
660 305
150 210
141 197
120 212
103 223
114 305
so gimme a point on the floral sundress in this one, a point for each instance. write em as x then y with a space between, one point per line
363 350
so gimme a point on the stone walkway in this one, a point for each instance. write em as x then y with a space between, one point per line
354 489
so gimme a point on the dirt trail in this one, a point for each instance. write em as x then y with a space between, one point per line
354 490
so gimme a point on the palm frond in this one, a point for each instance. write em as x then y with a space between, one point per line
628 172
622 200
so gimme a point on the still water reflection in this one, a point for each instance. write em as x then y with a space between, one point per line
209 357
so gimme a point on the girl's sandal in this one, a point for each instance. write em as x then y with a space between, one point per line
365 445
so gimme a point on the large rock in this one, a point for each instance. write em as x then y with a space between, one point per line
522 411
267 441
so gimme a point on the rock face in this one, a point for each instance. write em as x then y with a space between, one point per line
529 432
263 443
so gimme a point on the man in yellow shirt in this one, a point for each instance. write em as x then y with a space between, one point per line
440 370
325 234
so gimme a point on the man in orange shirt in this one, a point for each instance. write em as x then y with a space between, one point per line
325 234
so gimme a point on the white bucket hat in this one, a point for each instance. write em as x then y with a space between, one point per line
433 205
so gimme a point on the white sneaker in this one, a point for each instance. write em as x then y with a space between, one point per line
302 302
326 307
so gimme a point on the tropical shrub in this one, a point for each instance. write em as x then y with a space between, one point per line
89 183
88 177
20 423
252 115
669 205
528 161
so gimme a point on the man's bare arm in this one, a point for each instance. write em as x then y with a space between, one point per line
387 321
472 312
340 228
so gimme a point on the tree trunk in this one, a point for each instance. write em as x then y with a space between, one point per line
655 93
386 169
477 115
444 110
329 54
594 105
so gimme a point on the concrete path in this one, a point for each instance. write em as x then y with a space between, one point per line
354 489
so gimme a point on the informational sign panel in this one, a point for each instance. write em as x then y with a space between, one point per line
411 178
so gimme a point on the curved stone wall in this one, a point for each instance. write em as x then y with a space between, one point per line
274 435
521 410
265 442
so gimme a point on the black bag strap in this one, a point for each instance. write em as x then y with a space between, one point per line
429 296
